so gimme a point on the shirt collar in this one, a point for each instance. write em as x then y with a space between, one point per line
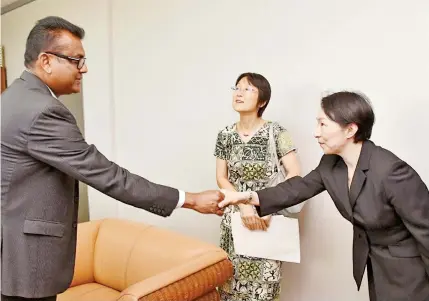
52 93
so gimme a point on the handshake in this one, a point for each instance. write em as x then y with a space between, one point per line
214 202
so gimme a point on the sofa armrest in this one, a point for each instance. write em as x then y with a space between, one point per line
84 264
204 280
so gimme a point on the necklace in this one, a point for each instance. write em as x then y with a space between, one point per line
251 131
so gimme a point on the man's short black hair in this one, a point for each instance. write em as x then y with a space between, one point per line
346 108
44 35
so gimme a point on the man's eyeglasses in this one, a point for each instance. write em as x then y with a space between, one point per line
80 62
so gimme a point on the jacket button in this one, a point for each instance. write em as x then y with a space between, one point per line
74 225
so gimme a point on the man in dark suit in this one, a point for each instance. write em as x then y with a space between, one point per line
382 196
44 156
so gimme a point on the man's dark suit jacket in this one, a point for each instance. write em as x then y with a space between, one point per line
43 154
388 205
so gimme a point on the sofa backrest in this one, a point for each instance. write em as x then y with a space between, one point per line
128 252
84 266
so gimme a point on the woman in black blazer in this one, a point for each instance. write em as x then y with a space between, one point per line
382 196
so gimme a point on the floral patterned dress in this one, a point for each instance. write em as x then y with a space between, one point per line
249 168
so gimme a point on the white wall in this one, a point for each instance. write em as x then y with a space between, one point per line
174 64
74 103
159 78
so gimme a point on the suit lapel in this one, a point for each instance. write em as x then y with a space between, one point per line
340 174
359 177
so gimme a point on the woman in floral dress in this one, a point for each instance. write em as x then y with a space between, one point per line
243 164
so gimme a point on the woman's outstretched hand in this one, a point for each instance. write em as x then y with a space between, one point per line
235 198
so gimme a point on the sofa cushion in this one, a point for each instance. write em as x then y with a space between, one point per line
115 244
89 292
129 252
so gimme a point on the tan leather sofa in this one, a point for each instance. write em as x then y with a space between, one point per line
120 260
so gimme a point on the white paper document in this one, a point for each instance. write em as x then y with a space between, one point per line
279 242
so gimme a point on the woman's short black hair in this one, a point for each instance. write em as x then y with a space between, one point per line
346 108
263 86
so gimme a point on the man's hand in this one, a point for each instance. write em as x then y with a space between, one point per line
206 202
250 219
235 198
